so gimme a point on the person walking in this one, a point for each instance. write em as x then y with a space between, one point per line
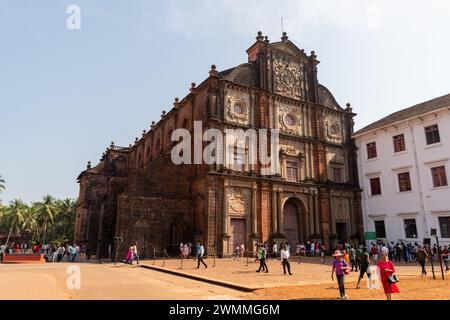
358 254
236 252
374 252
242 250
445 254
275 250
73 253
364 266
284 253
352 255
200 253
340 267
129 256
387 272
262 259
135 253
422 257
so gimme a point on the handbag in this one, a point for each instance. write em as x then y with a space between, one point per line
393 279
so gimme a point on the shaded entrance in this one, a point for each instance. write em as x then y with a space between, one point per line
341 230
237 233
291 224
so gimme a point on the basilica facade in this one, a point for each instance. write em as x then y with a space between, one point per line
138 192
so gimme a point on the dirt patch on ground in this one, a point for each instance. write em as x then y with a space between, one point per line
410 289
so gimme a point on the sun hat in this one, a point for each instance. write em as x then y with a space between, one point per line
337 253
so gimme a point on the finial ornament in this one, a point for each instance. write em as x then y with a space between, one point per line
88 165
213 71
259 37
285 36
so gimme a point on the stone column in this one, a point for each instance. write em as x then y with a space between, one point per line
225 209
254 208
280 212
274 212
316 212
311 214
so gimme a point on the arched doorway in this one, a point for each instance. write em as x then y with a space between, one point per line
291 223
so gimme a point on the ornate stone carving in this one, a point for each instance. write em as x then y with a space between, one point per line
335 155
239 201
287 78
288 119
237 109
341 209
333 129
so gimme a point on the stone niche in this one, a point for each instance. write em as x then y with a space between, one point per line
239 201
237 107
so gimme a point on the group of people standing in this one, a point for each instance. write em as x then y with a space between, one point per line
385 269
52 252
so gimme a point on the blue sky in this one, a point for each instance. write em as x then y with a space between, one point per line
66 94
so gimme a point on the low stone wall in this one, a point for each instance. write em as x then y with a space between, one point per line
23 258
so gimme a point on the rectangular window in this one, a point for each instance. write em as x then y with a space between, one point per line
444 224
380 229
292 171
371 150
404 182
432 134
375 186
399 143
439 176
410 228
337 175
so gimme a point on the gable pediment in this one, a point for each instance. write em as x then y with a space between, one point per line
289 48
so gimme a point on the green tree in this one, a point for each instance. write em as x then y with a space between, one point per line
14 216
2 184
28 224
65 222
46 211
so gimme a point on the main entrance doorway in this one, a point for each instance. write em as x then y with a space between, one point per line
341 230
237 233
291 223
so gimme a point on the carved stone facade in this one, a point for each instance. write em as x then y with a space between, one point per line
139 194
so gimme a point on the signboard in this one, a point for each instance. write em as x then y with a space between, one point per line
370 235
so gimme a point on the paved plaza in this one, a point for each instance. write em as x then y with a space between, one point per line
311 280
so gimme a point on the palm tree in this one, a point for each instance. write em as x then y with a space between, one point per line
14 216
46 211
29 221
66 216
2 184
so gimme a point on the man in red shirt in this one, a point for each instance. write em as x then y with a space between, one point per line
374 252
445 254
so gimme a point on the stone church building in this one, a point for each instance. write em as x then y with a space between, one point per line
139 194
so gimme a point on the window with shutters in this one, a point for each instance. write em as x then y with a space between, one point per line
375 186
292 171
404 182
439 176
399 143
432 134
371 150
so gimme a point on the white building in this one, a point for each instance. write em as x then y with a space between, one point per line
404 166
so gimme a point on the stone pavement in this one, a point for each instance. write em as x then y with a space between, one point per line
310 271
104 282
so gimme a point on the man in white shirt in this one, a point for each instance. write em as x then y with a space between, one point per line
285 259
275 250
